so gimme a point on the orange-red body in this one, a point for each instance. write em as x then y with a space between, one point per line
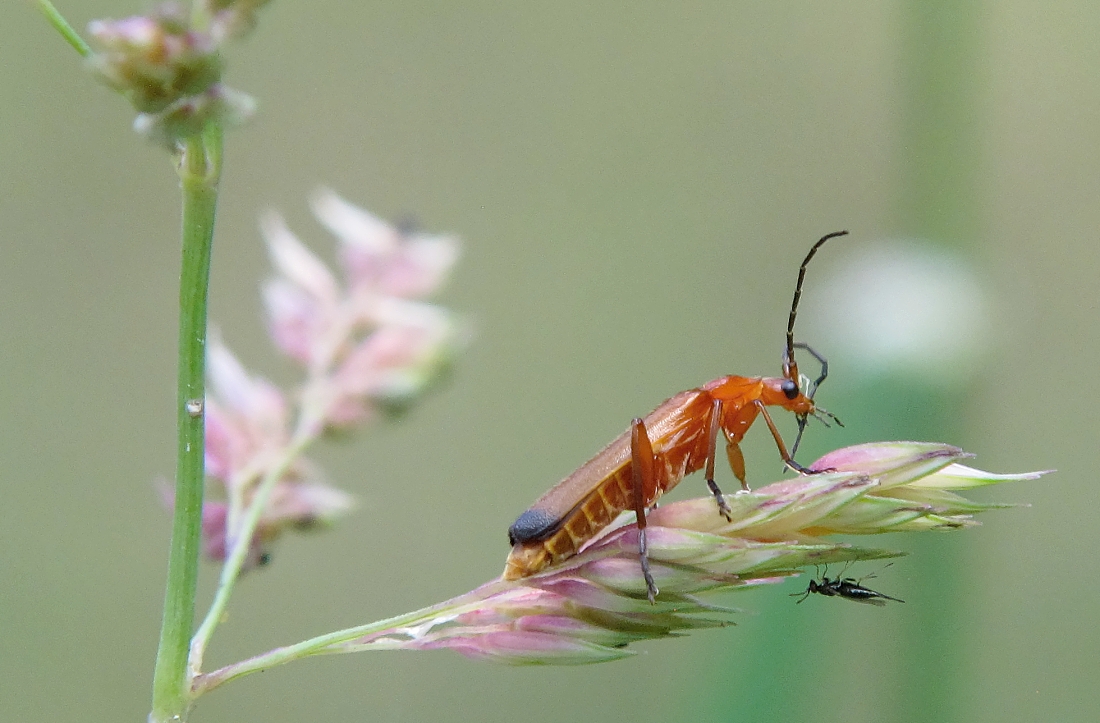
682 438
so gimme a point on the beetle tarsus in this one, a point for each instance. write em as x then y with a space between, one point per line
795 466
643 557
723 508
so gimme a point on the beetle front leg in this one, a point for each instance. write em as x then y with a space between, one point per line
787 458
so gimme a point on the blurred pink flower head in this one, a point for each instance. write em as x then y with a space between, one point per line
371 341
154 60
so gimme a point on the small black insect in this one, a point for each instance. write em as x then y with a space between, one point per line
845 587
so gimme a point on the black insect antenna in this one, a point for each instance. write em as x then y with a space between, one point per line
790 366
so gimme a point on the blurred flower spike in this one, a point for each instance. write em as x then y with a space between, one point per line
364 346
170 68
591 607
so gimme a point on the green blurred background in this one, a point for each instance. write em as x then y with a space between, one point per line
635 185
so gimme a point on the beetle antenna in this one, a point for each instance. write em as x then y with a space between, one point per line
790 367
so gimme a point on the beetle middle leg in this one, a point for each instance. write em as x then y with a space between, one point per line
713 426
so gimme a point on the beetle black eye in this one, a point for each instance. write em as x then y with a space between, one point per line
789 389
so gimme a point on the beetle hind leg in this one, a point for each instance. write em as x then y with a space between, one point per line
644 468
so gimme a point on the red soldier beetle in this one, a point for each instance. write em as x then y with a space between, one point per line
677 438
